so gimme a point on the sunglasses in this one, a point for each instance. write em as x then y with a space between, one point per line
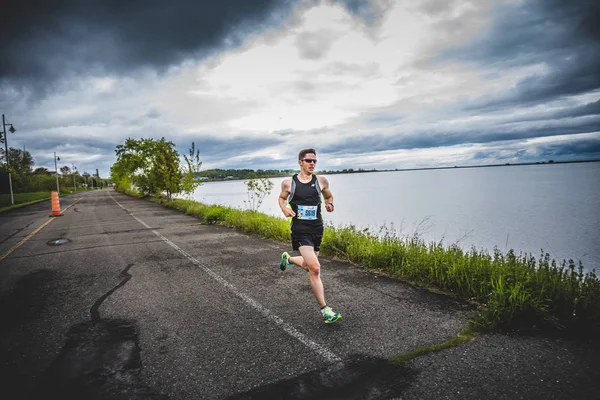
310 160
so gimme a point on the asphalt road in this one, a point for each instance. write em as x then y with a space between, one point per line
121 298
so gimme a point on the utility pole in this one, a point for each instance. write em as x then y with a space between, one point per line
74 184
56 170
12 129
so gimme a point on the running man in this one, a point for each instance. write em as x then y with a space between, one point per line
303 194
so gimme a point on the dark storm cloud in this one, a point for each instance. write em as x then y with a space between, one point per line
586 110
588 148
564 36
576 149
44 40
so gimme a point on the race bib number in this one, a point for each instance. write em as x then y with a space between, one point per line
307 212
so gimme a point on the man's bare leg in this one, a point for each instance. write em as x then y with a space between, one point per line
308 261
299 261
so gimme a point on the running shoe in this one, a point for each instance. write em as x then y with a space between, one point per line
285 261
330 316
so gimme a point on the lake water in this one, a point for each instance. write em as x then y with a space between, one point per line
527 208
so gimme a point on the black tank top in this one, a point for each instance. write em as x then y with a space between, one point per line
306 203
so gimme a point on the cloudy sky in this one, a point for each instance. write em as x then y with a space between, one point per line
370 84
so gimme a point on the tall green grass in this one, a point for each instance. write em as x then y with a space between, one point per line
511 291
23 198
245 220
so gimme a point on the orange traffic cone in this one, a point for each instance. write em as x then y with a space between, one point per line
55 205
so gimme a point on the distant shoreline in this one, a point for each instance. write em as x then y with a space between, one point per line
485 166
285 173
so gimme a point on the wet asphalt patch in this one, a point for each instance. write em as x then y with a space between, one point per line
100 358
359 377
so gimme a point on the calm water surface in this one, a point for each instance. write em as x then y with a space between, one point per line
527 208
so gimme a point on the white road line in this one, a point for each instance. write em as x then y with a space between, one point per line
289 329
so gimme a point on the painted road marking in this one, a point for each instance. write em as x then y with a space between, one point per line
289 329
39 228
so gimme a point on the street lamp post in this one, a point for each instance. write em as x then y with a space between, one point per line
56 171
74 185
12 130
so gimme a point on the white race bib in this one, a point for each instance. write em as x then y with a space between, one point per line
307 212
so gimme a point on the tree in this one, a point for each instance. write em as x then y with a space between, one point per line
190 181
42 171
150 165
65 170
20 161
258 189
165 173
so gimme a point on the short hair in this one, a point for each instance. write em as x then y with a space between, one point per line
305 152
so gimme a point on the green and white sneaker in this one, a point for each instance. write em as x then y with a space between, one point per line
285 261
330 316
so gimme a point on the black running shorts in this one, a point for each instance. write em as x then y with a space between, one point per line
307 239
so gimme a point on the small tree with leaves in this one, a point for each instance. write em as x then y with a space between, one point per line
190 181
258 189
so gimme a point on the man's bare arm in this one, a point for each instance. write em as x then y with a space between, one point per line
286 187
327 195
